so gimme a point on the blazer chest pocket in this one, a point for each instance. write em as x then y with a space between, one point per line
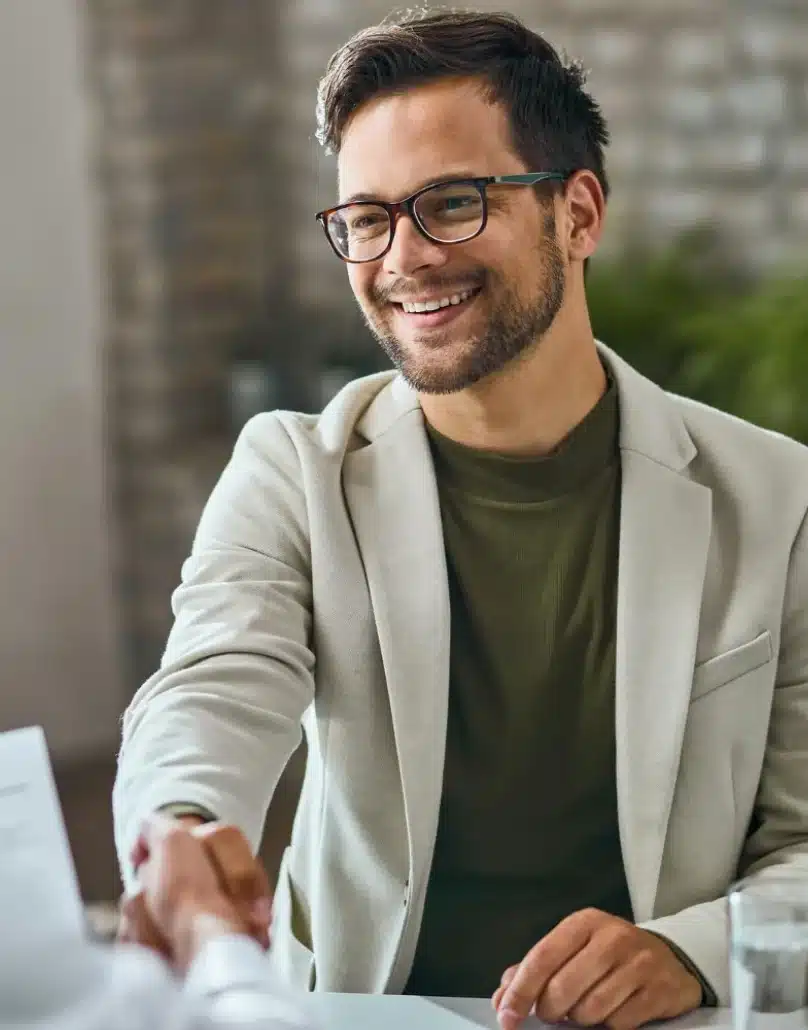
724 668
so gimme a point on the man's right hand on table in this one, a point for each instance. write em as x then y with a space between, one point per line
197 882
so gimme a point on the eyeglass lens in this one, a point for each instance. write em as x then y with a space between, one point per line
449 214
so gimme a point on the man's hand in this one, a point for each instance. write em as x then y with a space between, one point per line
242 876
594 968
196 884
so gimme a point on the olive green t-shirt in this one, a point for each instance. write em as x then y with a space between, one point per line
528 827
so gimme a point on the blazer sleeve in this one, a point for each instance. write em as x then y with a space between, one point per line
778 840
215 726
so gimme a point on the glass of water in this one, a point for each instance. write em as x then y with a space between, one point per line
769 953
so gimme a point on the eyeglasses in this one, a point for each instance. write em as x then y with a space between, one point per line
447 212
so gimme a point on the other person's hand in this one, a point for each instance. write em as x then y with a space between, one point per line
195 885
134 924
594 968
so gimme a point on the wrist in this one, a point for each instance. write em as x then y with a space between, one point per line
195 926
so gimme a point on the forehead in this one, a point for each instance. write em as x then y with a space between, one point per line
395 143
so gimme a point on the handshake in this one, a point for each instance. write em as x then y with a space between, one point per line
195 883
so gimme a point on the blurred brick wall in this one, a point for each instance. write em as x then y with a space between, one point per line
707 101
183 97
210 175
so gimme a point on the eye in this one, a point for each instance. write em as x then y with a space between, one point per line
451 203
458 203
360 222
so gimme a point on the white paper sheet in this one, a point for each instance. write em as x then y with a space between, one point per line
392 1012
39 891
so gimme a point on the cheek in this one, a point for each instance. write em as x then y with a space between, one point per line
361 280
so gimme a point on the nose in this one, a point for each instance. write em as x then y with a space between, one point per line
411 251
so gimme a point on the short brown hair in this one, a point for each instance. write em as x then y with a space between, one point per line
556 125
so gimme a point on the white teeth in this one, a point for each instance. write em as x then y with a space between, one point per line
434 305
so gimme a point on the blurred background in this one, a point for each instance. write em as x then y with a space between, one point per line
162 278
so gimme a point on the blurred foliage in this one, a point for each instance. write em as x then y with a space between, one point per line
699 327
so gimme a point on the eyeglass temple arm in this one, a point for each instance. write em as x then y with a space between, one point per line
529 179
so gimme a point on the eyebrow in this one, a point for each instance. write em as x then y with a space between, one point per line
363 198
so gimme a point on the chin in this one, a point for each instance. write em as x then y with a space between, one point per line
439 377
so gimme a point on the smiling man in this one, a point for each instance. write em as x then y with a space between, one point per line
545 625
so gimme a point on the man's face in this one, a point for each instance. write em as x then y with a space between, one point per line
515 268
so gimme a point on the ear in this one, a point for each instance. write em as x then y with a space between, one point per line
585 208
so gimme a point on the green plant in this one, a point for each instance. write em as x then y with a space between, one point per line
699 327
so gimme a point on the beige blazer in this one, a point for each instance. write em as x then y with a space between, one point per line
316 595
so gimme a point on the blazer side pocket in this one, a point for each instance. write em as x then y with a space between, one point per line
289 956
731 665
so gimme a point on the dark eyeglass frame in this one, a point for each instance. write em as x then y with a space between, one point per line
407 206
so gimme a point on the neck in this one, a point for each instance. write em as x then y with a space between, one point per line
530 406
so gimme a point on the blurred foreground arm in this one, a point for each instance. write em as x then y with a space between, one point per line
206 935
209 923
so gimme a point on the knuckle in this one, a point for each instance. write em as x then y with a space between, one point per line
556 996
175 835
620 936
508 975
589 1012
584 919
521 998
644 963
229 835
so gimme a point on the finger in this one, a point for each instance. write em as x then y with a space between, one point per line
259 918
605 998
156 833
641 1008
179 870
243 876
576 978
139 853
124 933
136 926
504 983
508 975
542 963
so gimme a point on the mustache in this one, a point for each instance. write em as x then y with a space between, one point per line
406 289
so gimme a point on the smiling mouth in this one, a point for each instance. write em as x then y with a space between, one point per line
451 300
438 308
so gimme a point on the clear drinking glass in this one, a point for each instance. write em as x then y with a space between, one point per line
769 953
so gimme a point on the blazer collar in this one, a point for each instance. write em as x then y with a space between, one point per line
650 423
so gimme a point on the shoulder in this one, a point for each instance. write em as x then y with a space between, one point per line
293 439
754 473
758 478
742 444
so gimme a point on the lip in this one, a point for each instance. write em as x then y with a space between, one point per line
434 319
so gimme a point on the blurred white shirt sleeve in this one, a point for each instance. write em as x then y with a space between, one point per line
233 977
82 986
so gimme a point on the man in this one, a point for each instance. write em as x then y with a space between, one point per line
204 901
545 625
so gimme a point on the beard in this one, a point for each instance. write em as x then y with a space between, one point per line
514 326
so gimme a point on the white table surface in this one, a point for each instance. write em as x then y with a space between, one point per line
392 1012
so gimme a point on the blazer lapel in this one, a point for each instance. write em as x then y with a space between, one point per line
665 528
664 538
392 498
